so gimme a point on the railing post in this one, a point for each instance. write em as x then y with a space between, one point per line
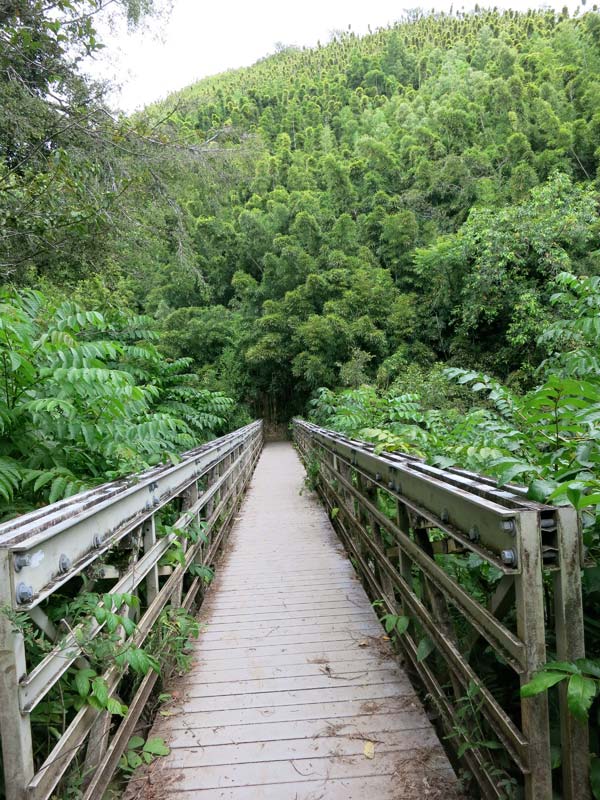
381 575
346 472
189 497
15 727
529 591
362 518
152 584
570 645
405 564
209 507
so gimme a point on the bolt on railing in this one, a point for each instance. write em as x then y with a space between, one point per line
48 549
402 521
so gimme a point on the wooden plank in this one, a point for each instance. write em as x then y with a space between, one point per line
299 711
287 683
252 671
291 619
285 749
405 762
271 669
290 612
331 694
240 578
367 726
371 787
292 673
294 596
293 606
352 636
255 680
279 632
290 589
274 639
280 659
352 615
310 649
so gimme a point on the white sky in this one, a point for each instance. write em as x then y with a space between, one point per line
204 37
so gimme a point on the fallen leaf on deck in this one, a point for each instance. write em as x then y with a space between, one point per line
369 750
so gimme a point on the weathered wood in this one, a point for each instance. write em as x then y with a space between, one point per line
529 592
15 729
386 787
570 645
323 712
370 725
293 673
400 764
152 583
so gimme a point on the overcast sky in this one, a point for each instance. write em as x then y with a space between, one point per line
201 38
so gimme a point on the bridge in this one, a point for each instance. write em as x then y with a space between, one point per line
295 688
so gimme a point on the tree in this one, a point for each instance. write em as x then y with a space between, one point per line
86 397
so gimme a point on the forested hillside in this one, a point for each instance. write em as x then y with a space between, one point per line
326 217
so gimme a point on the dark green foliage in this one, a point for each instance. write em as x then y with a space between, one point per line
413 194
327 213
86 397
546 438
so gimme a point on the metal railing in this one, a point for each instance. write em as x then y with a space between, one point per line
50 549
405 525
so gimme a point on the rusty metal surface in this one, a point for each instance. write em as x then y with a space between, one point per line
294 681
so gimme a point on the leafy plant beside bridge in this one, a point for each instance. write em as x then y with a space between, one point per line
87 397
547 438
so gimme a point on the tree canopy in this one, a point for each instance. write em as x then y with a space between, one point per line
412 194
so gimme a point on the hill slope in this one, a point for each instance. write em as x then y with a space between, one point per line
411 195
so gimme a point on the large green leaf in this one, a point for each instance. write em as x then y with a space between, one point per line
114 707
542 681
100 691
562 666
157 747
580 693
425 648
82 681
135 742
540 489
592 667
506 471
402 625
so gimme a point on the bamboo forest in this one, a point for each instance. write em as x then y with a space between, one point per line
386 248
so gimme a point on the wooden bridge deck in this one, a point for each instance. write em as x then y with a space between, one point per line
294 692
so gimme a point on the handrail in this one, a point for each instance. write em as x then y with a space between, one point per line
385 508
50 548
